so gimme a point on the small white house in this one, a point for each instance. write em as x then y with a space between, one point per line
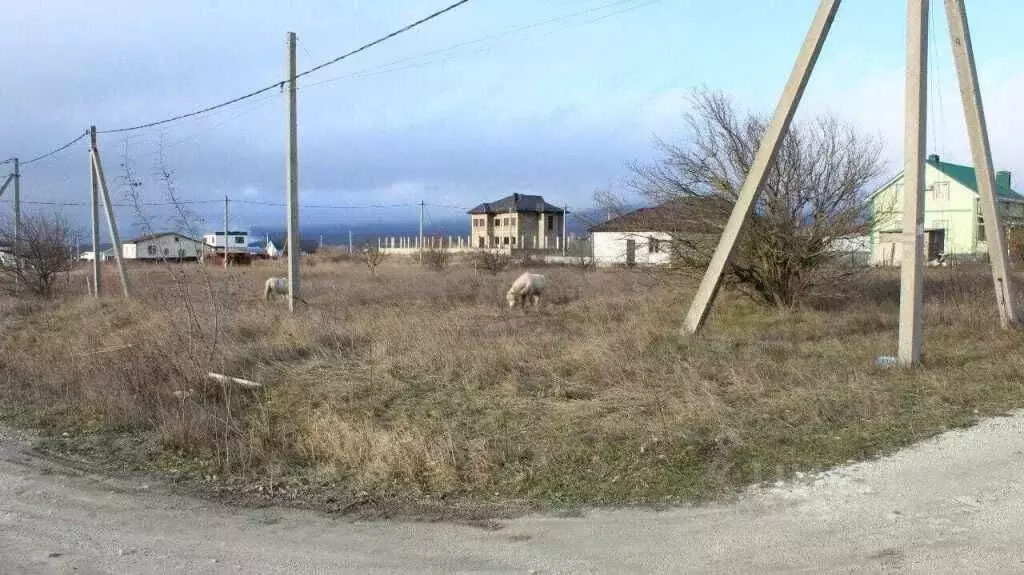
644 236
105 256
163 246
237 242
271 250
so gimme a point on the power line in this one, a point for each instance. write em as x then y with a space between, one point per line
280 84
387 67
52 152
245 202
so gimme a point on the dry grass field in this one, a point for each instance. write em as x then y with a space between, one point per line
419 385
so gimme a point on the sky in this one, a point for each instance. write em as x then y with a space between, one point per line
495 97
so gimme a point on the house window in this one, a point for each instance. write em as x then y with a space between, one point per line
505 240
653 245
151 250
506 221
939 191
551 223
497 222
239 240
175 239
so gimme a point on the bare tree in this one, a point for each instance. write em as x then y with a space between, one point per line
812 198
45 247
372 257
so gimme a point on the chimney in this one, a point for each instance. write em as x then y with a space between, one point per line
933 159
1003 180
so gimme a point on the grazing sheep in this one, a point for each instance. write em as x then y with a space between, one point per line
274 286
528 285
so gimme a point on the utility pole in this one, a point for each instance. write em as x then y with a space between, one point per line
17 215
97 167
977 132
292 177
765 157
565 212
350 241
912 264
421 230
321 242
95 203
225 231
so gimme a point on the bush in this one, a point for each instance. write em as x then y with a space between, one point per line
492 262
436 259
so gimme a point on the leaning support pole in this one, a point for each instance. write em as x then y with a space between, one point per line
97 167
912 261
765 157
981 153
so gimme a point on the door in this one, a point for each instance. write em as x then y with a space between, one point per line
936 244
630 253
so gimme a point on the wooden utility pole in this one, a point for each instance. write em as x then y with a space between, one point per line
765 156
292 177
97 167
981 153
225 231
95 209
912 262
422 204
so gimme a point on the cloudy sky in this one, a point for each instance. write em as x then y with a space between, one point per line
498 96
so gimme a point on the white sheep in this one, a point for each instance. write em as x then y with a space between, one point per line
528 285
274 286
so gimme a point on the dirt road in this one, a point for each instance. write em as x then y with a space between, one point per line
951 505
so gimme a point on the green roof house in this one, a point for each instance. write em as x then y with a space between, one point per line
952 212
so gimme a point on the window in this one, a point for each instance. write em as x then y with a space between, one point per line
497 222
175 239
939 191
151 250
505 240
981 222
506 221
166 251
653 245
551 223
240 240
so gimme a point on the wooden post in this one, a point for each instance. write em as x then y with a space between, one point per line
97 167
565 211
911 262
97 281
765 156
981 152
292 180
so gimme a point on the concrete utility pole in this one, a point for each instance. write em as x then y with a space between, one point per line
17 214
225 231
350 241
421 230
321 242
977 132
912 262
765 156
565 222
97 167
95 209
292 177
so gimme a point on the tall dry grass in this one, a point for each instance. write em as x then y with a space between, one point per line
415 383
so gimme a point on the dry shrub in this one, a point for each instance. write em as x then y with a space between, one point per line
422 384
492 262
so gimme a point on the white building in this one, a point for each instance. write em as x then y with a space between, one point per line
644 236
237 242
163 246
105 256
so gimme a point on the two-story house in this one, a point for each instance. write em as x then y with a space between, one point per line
517 221
953 223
